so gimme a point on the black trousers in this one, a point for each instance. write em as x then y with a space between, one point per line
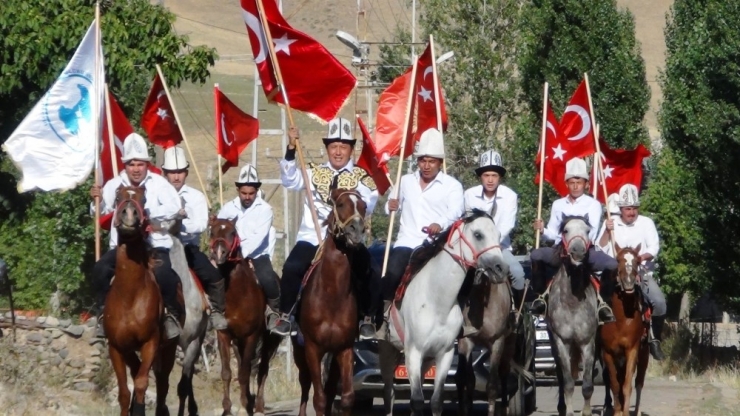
366 281
398 259
203 268
166 278
267 277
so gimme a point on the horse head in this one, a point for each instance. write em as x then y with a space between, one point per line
629 261
130 216
479 244
347 219
225 243
574 233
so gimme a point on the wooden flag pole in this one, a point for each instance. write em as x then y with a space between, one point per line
97 128
111 133
397 188
182 132
437 98
217 107
543 140
299 150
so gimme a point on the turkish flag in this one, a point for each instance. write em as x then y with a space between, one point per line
315 82
235 129
557 154
576 124
390 118
369 161
158 120
111 165
620 168
426 95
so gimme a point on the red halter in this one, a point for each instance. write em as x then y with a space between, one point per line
139 210
566 243
456 227
234 247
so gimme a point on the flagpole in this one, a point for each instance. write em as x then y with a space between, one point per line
397 188
182 132
97 127
299 150
543 139
218 145
595 128
111 133
437 98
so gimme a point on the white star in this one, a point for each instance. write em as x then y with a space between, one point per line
608 171
559 152
283 44
162 113
425 94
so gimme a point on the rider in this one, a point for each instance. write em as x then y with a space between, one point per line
580 204
631 229
429 201
162 204
194 216
339 145
501 203
254 227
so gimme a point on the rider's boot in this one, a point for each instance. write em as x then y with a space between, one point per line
271 312
173 312
217 297
383 331
657 336
367 328
604 296
283 326
538 284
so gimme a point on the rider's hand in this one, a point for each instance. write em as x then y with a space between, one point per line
539 225
95 192
392 205
433 229
293 135
609 224
182 213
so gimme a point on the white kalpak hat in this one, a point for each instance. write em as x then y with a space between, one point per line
431 143
490 161
612 204
340 130
629 196
248 177
576 168
134 148
174 159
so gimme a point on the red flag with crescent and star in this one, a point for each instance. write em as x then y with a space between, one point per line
369 161
621 167
426 96
315 81
576 124
557 154
121 129
158 120
235 129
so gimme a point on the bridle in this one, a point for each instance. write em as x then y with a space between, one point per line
235 243
466 264
139 210
337 228
567 242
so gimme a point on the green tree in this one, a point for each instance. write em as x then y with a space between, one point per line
47 238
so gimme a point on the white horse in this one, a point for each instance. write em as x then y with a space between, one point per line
430 318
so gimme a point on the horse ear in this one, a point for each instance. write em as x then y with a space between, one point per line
586 218
233 221
637 249
211 220
617 248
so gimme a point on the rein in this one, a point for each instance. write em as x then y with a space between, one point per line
338 225
566 243
234 247
456 227
139 209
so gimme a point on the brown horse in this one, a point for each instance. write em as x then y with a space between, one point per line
245 315
623 347
134 310
328 309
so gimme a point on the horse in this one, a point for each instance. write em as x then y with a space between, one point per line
245 315
571 315
623 345
430 319
134 310
328 311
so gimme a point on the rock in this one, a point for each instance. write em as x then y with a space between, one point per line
63 323
76 330
95 353
20 318
41 319
90 323
76 363
52 321
84 386
672 378
94 341
8 315
34 337
55 333
58 343
64 353
55 361
93 360
43 362
40 349
47 334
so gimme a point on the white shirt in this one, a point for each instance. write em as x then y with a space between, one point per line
506 209
162 204
441 202
196 206
253 225
642 232
293 180
584 205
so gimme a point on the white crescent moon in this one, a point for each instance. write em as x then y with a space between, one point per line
552 128
585 118
253 23
427 71
160 94
223 130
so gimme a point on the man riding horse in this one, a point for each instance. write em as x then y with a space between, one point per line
341 170
429 201
162 204
254 227
194 214
630 229
577 203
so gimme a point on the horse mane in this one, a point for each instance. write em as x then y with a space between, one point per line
567 218
426 252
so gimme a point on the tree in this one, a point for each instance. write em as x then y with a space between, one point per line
46 239
560 40
700 124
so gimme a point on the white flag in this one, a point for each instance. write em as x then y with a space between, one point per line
55 145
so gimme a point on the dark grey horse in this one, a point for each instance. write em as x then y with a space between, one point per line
572 316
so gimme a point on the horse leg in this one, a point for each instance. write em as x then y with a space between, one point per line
304 376
414 361
141 381
588 356
565 377
224 346
629 371
185 386
249 349
345 359
444 362
119 366
167 355
331 373
270 344
464 377
494 386
389 359
643 356
314 357
610 364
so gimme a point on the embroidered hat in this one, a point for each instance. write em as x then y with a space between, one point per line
340 131
248 177
134 148
629 196
490 161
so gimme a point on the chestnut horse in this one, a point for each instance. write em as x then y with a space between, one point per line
623 347
134 310
245 315
328 309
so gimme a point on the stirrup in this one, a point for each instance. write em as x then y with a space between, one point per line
604 308
541 300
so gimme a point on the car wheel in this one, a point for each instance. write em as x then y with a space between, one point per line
516 402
